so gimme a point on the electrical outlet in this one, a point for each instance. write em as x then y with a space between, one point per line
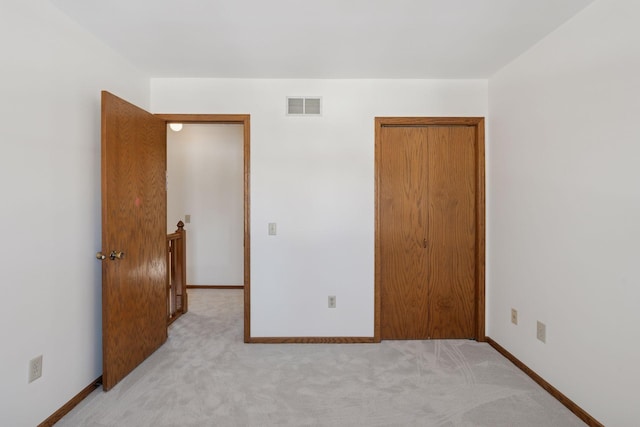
35 369
514 316
272 229
332 301
541 332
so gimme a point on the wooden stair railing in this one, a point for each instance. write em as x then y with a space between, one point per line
176 273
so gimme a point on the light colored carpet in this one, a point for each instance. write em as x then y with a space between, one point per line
206 376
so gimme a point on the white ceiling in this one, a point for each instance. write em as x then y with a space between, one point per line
322 38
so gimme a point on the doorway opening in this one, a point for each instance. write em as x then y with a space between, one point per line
205 191
237 259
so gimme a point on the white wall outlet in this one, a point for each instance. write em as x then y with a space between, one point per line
35 369
541 332
272 229
514 316
187 219
332 301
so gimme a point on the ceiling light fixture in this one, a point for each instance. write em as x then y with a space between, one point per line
176 127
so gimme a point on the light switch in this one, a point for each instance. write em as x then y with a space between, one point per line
272 229
187 219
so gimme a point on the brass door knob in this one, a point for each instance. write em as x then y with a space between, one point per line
100 256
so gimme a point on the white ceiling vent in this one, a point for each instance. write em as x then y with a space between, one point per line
304 106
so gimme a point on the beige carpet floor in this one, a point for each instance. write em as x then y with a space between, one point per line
206 376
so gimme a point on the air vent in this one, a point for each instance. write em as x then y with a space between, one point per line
307 106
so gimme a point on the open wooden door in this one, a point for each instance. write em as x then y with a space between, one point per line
134 303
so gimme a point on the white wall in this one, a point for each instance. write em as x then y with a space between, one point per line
205 165
314 177
52 74
564 209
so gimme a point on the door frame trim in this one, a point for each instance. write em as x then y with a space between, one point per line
478 123
243 119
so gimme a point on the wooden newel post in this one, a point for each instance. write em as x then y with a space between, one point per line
176 273
182 270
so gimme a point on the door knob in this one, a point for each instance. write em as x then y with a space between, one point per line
116 254
100 256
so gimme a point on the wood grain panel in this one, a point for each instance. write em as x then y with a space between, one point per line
452 231
428 121
469 230
134 222
247 228
480 231
215 287
403 195
312 340
205 118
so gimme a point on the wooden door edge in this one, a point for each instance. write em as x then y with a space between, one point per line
377 334
481 232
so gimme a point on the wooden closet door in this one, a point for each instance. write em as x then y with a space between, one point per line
426 233
403 208
451 256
